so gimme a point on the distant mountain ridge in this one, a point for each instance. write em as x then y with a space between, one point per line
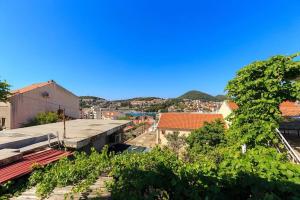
88 101
138 99
198 95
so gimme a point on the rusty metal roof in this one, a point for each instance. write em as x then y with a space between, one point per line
24 166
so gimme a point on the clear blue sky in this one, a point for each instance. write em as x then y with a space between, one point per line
120 49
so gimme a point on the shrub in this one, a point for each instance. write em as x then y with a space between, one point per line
43 118
81 171
160 174
207 137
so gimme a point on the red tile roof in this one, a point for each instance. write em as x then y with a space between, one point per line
232 105
24 166
290 109
31 87
185 121
287 108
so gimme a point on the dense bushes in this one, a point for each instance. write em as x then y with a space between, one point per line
43 118
81 171
214 166
258 89
161 175
46 118
208 137
13 188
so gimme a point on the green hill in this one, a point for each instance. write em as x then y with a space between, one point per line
198 95
221 97
92 98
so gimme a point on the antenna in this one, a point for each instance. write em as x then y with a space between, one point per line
64 119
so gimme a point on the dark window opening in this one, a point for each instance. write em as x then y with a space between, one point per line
3 122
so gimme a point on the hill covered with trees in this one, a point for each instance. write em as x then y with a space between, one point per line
198 95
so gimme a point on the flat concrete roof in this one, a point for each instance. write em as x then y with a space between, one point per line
78 132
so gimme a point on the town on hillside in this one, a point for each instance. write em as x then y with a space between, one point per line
149 100
37 120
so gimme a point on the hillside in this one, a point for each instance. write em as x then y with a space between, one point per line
221 97
198 95
88 101
92 98
137 99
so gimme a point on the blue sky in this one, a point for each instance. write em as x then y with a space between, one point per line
118 49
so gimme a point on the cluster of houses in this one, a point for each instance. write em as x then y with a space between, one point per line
148 102
185 123
92 128
189 105
27 102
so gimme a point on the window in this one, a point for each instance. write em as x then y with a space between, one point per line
3 122
45 94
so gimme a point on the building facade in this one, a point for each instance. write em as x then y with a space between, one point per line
26 103
111 115
184 123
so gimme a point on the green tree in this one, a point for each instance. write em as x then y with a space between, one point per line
258 89
4 91
175 141
207 137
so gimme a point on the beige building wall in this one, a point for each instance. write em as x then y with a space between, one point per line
5 115
161 135
25 106
225 110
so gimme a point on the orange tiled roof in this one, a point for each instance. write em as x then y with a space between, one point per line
31 87
287 108
110 113
186 121
290 109
232 105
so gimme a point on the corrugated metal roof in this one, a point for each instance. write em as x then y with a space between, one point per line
24 166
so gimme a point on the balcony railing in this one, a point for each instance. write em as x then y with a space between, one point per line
292 154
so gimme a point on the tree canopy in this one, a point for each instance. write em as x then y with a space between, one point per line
258 89
4 91
208 137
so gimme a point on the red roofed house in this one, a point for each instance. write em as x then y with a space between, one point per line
184 123
290 110
111 115
26 103
287 108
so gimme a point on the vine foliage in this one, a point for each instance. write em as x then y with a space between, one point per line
258 89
